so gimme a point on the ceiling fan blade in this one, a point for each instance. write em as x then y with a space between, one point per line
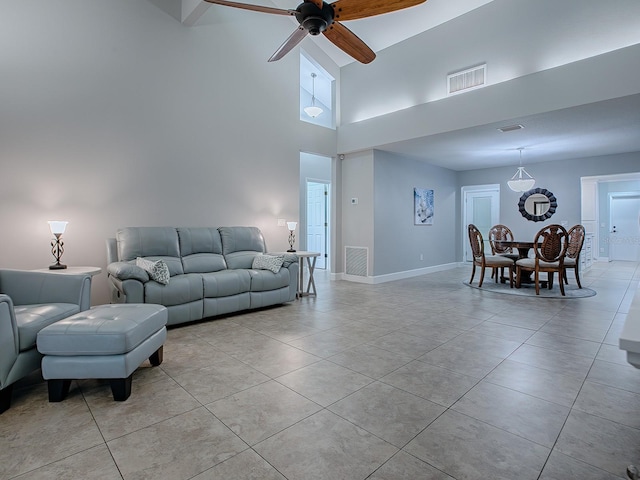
256 8
354 9
294 39
348 41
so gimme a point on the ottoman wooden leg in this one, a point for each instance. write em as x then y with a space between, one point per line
156 357
58 389
121 388
5 398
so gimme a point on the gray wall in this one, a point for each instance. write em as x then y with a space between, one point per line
358 220
562 178
115 114
398 242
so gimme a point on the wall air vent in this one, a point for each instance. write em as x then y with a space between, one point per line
466 80
356 259
511 128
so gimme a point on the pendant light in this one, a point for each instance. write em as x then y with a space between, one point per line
313 111
521 180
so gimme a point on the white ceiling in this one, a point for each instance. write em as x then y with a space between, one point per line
383 31
602 128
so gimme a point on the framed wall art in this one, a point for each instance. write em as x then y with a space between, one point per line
423 206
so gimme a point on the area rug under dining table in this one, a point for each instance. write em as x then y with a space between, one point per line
529 290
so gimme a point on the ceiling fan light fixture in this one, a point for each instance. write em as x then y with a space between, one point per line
313 110
521 180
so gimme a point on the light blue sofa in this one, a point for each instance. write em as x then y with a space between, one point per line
30 301
210 271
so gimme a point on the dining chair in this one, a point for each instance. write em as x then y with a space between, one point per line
499 233
486 261
572 257
550 246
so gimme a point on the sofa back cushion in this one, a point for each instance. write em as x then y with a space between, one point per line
240 245
156 243
201 250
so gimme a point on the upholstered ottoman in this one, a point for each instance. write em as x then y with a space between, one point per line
108 341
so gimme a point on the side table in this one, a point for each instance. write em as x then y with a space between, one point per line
311 258
92 271
73 271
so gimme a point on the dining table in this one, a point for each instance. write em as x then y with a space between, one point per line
523 248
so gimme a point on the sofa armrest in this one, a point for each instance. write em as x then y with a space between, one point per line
126 291
9 346
127 271
29 288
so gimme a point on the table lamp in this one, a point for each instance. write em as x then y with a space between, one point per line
292 237
57 246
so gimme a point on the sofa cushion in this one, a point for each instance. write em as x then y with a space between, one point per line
154 243
157 270
268 262
264 280
33 318
182 289
240 245
201 250
226 283
102 330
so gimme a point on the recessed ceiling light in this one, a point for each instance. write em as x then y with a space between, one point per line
511 128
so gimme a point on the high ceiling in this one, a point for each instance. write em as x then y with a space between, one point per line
601 128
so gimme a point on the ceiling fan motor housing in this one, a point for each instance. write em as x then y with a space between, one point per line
313 19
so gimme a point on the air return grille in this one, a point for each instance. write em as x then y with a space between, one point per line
356 259
466 80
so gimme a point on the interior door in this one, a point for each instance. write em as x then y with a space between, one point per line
318 220
624 238
482 208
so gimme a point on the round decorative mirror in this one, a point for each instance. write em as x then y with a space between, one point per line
537 204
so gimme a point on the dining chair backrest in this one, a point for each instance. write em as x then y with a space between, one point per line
477 243
499 233
550 244
576 239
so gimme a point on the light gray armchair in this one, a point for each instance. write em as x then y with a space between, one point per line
30 301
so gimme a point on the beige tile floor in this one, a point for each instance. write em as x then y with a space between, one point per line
422 378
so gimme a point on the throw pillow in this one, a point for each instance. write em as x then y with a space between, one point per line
157 270
268 262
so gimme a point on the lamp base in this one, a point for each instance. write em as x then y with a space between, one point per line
291 250
57 266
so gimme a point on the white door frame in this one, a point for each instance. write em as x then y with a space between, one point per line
633 252
594 225
467 193
323 263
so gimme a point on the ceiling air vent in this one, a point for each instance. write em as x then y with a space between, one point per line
511 128
466 80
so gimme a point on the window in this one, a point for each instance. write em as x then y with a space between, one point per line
318 90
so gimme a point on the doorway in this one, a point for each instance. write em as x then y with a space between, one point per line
481 206
624 236
317 211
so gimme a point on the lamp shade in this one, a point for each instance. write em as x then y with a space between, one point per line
521 183
292 225
313 111
57 226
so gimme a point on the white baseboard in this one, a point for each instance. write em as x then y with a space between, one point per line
390 277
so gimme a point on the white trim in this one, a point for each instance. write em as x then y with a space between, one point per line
391 277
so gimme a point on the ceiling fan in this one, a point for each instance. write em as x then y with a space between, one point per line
316 17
